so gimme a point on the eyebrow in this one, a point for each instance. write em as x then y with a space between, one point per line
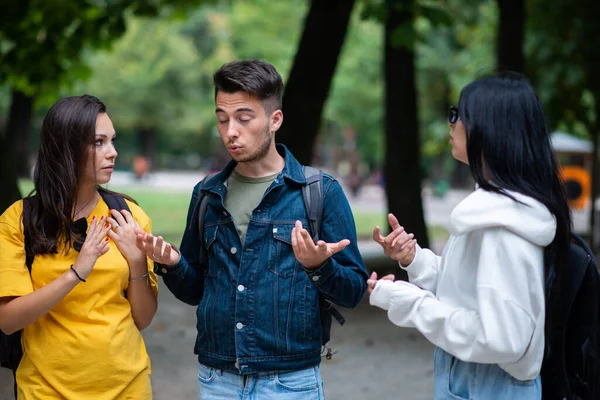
104 135
237 110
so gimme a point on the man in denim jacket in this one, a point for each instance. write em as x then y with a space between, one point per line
259 333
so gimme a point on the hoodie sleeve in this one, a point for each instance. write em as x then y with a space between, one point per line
423 271
502 323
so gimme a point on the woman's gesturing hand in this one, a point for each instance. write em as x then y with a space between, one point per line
94 246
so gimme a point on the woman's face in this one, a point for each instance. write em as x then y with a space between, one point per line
458 140
101 159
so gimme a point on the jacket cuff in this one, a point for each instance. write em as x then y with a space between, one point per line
319 275
162 269
380 297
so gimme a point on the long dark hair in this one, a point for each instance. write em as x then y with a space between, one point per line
68 132
507 137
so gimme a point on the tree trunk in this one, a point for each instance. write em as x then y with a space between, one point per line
148 143
402 170
8 178
310 79
511 33
18 131
593 240
595 131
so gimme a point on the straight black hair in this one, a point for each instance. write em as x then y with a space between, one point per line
509 149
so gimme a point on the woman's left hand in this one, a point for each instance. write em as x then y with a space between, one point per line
123 235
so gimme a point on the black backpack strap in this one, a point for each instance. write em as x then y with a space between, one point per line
312 192
201 206
15 384
114 201
329 307
29 256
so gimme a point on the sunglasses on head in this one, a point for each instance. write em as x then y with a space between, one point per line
453 115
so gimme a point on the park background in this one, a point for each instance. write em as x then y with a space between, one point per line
368 84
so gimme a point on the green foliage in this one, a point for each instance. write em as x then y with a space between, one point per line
356 96
151 80
158 76
41 40
449 57
563 60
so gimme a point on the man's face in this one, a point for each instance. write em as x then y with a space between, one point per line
246 130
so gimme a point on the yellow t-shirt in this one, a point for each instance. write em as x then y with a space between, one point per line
87 346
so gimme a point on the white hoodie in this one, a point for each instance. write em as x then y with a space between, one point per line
483 300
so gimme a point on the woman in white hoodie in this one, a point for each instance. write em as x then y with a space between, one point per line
482 303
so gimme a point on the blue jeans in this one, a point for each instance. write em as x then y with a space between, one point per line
304 384
458 380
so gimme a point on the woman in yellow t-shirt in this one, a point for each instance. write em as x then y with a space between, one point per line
88 295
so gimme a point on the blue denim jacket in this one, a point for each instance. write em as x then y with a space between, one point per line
258 308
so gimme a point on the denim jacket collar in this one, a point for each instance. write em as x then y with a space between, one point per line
292 170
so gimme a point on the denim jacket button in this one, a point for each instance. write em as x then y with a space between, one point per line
241 288
163 270
233 250
316 278
239 325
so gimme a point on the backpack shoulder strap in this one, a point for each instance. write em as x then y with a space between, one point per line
312 193
114 201
201 205
579 259
29 256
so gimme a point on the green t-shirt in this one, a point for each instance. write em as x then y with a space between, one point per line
243 196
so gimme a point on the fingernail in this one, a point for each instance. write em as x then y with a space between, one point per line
93 218
107 239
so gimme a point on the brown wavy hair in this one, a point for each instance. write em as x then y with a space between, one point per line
68 131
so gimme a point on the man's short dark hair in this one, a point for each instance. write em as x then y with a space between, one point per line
257 78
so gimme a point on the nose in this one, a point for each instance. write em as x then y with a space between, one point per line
112 153
232 130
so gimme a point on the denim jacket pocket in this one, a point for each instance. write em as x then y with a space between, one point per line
281 252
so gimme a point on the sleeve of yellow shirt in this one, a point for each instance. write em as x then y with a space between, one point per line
15 279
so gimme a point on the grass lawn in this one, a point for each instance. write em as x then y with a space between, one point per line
168 211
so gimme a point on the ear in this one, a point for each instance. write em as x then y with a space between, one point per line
275 120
